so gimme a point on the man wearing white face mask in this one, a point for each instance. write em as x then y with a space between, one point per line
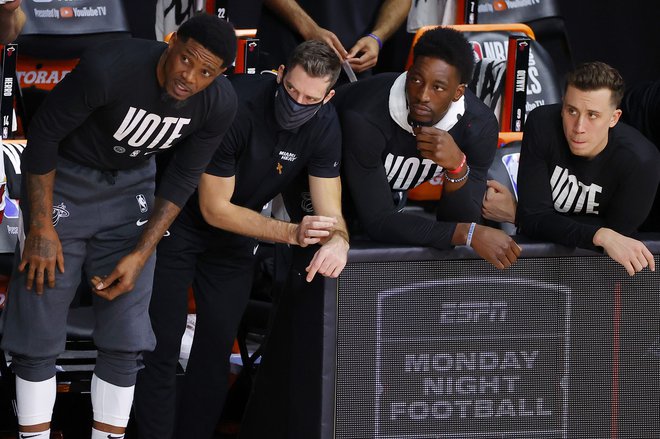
428 126
283 127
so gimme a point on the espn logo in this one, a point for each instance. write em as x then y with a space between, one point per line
66 12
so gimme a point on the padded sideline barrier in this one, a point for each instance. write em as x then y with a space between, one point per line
420 343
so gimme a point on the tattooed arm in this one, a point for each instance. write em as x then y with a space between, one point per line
43 250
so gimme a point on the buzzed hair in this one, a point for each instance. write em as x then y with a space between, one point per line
595 75
317 59
450 46
215 34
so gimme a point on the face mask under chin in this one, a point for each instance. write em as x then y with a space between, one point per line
289 114
416 123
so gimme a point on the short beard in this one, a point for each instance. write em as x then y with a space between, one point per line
166 98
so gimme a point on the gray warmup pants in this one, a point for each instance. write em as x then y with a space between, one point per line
99 217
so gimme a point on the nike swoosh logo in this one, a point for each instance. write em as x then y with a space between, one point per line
25 436
115 437
140 223
150 152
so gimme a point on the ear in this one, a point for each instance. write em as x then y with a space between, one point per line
280 73
329 96
460 90
615 117
170 39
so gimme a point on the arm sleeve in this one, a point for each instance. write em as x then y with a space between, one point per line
192 156
536 215
464 205
64 109
366 180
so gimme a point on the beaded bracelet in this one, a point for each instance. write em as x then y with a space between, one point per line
468 241
458 180
459 167
378 40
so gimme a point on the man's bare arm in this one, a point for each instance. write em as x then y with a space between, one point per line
331 258
12 19
296 17
391 16
215 203
364 53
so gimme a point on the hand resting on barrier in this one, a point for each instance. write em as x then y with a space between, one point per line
493 245
629 252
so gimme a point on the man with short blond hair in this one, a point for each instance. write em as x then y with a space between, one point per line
585 179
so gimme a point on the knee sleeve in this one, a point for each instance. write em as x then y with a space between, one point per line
33 369
111 404
35 401
118 368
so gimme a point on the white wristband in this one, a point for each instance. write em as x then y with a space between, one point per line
470 233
